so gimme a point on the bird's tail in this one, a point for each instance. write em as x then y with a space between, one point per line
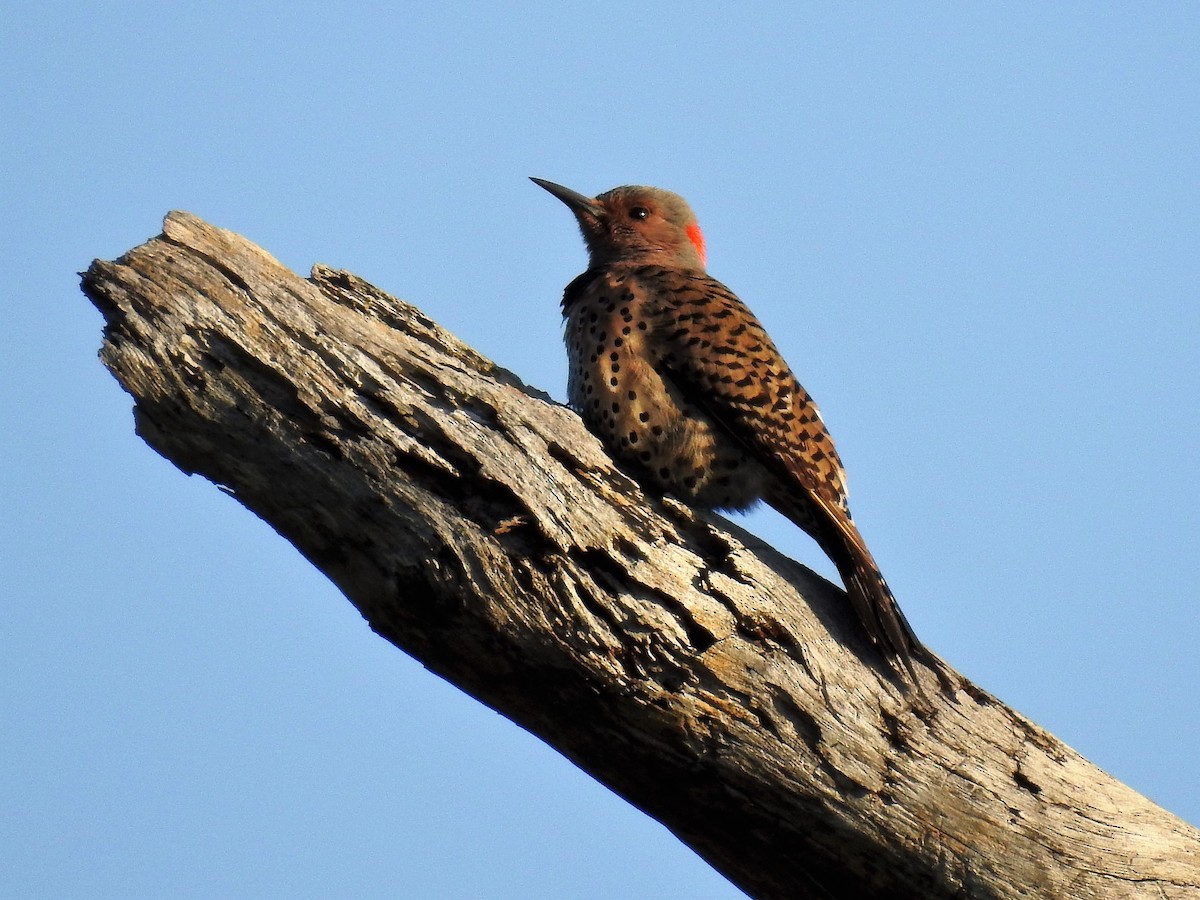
870 597
879 612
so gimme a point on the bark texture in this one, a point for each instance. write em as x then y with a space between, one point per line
715 684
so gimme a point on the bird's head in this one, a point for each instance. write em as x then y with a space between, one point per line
635 224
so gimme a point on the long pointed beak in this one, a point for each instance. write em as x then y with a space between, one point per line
576 202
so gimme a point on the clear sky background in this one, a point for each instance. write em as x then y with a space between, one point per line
972 228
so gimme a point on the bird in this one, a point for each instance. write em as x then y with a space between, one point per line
683 385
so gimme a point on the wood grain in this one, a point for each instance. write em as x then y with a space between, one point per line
715 684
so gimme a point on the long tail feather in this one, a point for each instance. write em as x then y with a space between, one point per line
872 600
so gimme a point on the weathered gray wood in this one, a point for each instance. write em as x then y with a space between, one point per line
715 684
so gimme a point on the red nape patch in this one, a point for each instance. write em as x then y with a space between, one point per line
696 236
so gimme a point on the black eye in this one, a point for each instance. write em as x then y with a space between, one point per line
639 212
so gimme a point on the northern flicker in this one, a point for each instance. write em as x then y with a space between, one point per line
680 381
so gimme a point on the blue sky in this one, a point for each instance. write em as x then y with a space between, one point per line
972 229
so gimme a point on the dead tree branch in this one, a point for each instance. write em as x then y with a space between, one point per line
713 683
